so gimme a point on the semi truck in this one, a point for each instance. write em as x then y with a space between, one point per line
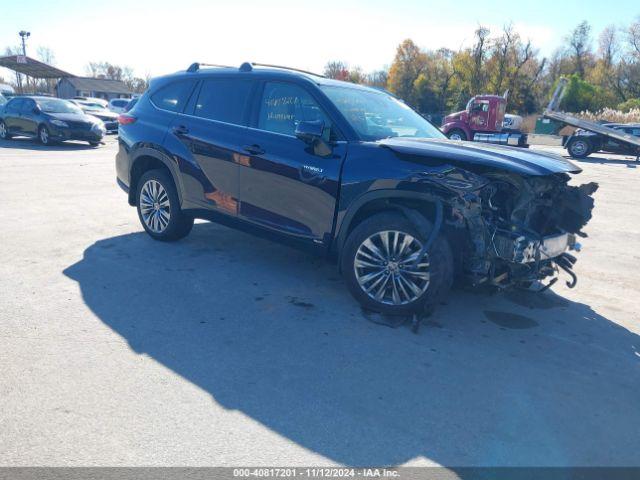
482 121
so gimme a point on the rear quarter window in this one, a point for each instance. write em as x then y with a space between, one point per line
173 97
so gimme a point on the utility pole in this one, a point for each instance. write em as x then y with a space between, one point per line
24 35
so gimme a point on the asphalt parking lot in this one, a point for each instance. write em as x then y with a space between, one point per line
225 349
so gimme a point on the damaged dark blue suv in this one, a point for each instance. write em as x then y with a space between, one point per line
352 172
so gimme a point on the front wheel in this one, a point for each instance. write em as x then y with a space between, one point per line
382 270
159 208
43 135
457 134
4 132
579 148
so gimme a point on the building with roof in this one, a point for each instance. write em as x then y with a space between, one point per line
69 87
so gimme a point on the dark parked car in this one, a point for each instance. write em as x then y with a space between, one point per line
351 172
109 118
48 119
583 143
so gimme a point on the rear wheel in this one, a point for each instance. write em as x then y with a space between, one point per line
4 132
159 208
579 148
383 272
457 134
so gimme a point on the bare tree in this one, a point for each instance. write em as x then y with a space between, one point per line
633 36
337 70
46 55
580 46
479 53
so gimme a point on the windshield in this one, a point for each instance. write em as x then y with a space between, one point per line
54 105
2 100
377 115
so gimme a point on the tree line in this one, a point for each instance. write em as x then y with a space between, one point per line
603 72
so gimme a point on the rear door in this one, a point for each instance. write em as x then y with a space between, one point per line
12 115
213 131
284 184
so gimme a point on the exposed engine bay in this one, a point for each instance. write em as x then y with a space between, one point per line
522 228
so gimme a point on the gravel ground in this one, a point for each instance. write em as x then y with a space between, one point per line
228 350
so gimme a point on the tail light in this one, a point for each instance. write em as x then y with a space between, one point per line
124 119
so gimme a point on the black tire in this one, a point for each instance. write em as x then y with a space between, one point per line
457 134
4 133
440 264
579 147
43 135
94 144
179 224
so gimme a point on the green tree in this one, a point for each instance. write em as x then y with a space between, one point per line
407 65
581 95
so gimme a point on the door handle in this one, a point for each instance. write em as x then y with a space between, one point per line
253 149
180 130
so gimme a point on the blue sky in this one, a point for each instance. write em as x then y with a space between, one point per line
156 37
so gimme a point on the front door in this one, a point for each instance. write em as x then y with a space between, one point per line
28 121
479 116
286 184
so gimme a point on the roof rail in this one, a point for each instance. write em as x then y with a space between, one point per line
287 68
194 67
247 67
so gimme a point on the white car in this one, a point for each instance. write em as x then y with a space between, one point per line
118 104
99 101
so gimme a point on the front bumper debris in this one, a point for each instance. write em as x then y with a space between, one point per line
523 249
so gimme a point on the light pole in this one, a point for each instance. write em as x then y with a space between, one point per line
24 35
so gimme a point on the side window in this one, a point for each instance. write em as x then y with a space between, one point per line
283 105
27 106
224 100
14 105
174 96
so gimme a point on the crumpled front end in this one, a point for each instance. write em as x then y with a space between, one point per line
523 228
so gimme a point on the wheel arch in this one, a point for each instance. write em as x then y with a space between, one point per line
457 125
380 201
147 159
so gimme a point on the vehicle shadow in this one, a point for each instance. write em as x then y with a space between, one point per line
24 143
518 379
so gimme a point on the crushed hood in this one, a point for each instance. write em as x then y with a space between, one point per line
498 157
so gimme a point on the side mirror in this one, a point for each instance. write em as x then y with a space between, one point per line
310 132
37 110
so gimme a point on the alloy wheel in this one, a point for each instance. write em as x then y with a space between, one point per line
579 147
3 130
388 269
455 136
155 206
44 136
